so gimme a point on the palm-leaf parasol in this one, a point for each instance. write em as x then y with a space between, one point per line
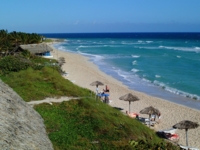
129 97
96 83
186 124
149 111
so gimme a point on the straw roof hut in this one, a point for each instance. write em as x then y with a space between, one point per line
37 48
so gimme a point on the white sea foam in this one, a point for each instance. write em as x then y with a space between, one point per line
159 83
96 57
187 49
135 56
146 80
130 43
149 41
82 46
178 56
126 76
121 74
97 42
134 62
157 76
148 47
181 93
61 48
134 70
175 91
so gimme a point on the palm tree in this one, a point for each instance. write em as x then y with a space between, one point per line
35 38
24 38
3 34
3 39
15 38
6 48
9 42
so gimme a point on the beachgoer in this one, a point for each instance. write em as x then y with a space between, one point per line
132 115
153 117
97 89
159 117
105 94
106 89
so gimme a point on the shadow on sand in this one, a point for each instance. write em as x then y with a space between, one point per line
118 108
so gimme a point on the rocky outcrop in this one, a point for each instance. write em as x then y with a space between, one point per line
21 127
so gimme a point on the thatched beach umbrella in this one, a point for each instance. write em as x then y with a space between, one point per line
150 111
96 83
129 97
186 124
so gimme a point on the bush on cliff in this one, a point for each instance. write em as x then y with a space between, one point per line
13 64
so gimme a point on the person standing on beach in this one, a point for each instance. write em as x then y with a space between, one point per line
97 89
106 89
159 117
105 93
153 117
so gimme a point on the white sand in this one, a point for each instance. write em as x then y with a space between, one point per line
83 72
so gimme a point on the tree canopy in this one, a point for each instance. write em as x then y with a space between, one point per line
9 42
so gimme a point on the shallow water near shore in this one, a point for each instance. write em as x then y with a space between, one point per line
153 90
163 67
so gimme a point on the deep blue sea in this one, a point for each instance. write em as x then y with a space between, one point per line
165 65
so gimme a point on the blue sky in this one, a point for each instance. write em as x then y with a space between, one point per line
75 16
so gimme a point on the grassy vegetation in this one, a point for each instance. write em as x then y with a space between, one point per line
40 79
76 124
33 84
90 124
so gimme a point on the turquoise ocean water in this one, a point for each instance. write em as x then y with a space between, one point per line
166 66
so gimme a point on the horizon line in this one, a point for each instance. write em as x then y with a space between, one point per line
111 32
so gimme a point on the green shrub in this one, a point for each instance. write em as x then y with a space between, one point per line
24 60
26 54
13 64
37 66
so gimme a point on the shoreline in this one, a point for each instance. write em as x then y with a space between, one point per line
155 91
83 72
141 86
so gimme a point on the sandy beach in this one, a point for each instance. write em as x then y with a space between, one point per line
83 72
